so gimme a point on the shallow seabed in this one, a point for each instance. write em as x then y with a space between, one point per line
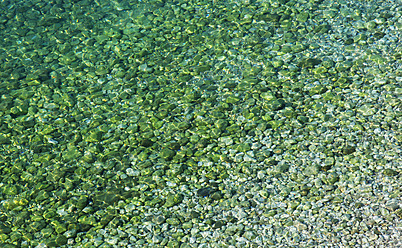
266 123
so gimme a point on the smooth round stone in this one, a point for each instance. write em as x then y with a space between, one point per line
390 172
311 170
367 110
173 199
205 191
226 140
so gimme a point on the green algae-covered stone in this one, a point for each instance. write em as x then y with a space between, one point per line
274 105
311 170
244 147
173 221
93 136
166 154
281 168
10 190
302 17
4 139
367 110
232 99
390 172
71 154
173 199
88 220
57 241
59 227
269 95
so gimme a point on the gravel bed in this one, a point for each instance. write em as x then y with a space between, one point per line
266 123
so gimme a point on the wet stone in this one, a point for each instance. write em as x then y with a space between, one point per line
346 150
205 191
309 63
167 154
109 130
216 196
5 228
218 224
311 170
244 147
390 172
366 110
232 99
173 199
392 206
159 219
173 221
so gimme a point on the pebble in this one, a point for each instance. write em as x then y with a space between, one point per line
307 164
